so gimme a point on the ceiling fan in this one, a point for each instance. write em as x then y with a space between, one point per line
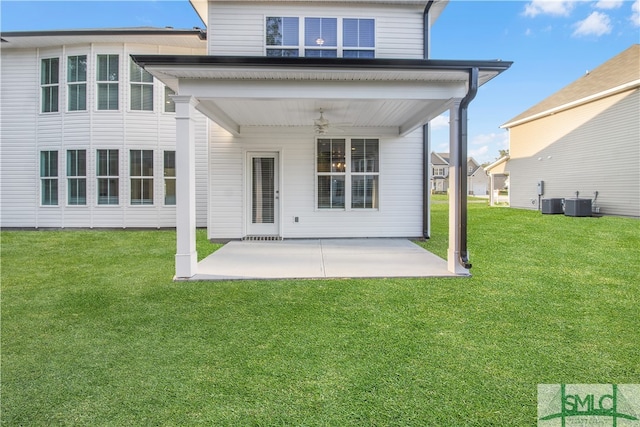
322 124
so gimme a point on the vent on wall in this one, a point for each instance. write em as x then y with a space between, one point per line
261 238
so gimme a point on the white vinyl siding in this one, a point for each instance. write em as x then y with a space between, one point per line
26 132
400 193
238 28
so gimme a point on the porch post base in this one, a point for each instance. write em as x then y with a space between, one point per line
186 265
454 266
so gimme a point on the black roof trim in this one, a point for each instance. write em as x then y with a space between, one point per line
148 31
305 62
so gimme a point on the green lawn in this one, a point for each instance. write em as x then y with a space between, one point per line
96 333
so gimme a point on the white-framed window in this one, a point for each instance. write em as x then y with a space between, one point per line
141 88
331 169
141 175
438 171
365 172
348 173
107 172
77 83
282 36
77 177
358 38
320 37
49 83
169 177
108 77
49 178
169 103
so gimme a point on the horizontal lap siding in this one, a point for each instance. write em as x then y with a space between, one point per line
25 132
599 152
238 28
19 96
399 215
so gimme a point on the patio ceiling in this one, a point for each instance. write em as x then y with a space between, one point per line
390 97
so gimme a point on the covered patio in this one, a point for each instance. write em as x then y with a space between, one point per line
321 259
278 95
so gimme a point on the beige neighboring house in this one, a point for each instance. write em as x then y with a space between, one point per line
585 138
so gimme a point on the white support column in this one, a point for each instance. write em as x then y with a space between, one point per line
186 255
453 254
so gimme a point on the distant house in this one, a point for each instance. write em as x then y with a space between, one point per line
477 178
583 139
498 180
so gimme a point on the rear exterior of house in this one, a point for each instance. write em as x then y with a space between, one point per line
293 120
88 138
348 182
584 140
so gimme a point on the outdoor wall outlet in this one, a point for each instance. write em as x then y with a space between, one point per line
296 219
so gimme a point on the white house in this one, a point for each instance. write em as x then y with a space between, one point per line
88 137
318 122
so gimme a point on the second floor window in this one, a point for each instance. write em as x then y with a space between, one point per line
49 81
77 83
141 88
358 38
282 36
321 37
169 103
108 77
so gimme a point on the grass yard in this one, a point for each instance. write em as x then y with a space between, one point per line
96 333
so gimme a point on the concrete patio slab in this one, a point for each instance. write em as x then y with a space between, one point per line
321 258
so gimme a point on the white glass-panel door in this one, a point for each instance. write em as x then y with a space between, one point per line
263 195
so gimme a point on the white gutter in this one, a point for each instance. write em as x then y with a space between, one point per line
582 101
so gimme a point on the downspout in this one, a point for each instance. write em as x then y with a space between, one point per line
426 135
462 168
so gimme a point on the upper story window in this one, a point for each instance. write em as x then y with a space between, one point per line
108 82
169 103
358 38
320 37
141 88
282 36
77 82
49 81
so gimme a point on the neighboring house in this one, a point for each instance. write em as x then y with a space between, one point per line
439 172
498 180
477 178
318 122
88 137
585 138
